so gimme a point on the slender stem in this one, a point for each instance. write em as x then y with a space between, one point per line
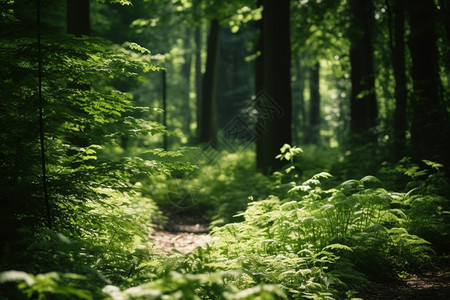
164 99
390 22
41 119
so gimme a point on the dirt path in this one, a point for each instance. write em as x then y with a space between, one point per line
181 233
432 285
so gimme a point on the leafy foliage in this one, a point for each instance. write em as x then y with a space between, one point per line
329 236
303 242
292 236
58 284
221 189
98 217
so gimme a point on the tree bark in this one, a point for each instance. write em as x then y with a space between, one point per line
276 55
445 10
397 44
78 17
429 130
401 94
198 74
186 71
164 107
298 105
313 136
208 120
363 104
259 86
444 13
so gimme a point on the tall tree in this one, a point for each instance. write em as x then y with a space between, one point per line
276 84
445 10
313 136
208 117
401 93
396 27
259 86
444 19
298 104
186 72
363 106
198 73
429 130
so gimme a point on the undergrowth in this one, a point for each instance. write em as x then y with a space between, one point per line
217 191
302 240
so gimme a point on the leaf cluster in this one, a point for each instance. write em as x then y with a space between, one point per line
98 217
334 238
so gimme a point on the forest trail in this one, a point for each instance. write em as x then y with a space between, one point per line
182 232
431 285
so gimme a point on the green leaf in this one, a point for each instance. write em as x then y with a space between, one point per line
139 48
322 175
16 276
370 178
434 165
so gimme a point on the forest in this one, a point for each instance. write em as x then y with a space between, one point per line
208 149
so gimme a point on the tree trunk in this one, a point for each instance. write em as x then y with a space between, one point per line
186 72
445 11
298 106
397 44
259 86
198 74
164 106
429 132
313 136
274 105
208 120
78 18
363 106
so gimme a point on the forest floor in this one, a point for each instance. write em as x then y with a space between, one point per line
430 285
183 232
